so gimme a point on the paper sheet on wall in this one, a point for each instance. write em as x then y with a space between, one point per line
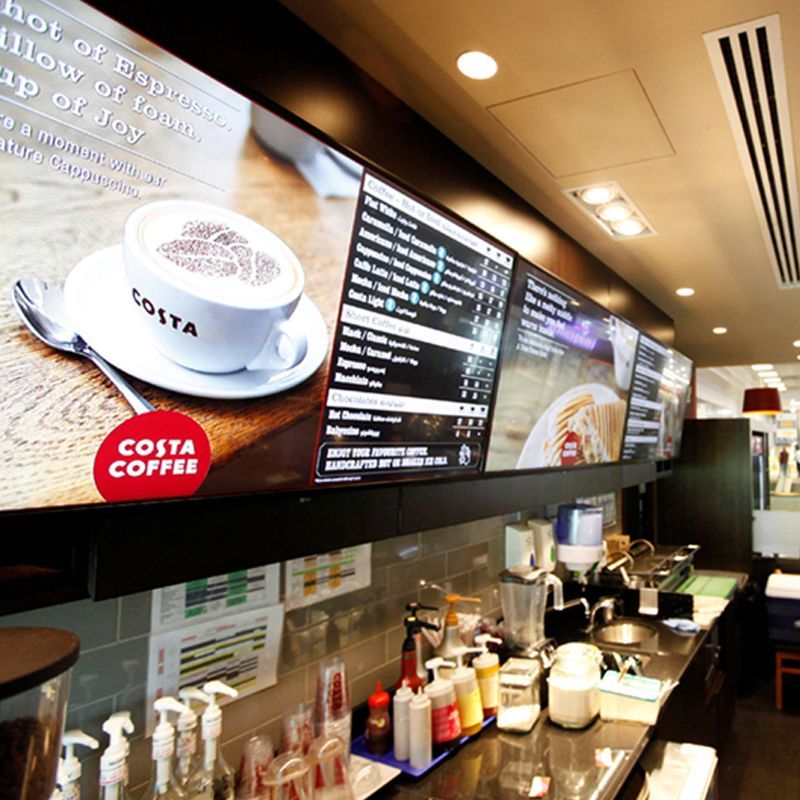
214 597
319 577
241 650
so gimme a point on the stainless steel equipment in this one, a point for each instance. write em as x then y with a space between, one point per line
645 566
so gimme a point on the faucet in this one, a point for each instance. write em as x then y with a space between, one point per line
578 601
606 605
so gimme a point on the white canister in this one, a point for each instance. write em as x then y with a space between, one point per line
573 683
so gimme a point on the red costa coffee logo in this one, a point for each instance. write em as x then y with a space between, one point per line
154 455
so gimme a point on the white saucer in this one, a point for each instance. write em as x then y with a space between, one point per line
96 293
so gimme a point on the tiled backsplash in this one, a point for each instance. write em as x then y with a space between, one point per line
365 627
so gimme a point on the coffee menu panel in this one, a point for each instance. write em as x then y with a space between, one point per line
659 392
564 380
417 343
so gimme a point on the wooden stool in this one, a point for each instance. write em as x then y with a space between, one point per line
782 669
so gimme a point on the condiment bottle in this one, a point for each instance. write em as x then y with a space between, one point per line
379 726
163 785
468 695
114 761
445 722
411 667
487 670
186 761
69 767
419 731
401 707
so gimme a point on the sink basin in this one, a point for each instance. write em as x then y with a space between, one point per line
625 632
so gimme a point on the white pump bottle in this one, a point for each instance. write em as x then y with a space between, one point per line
214 780
163 785
69 767
114 761
187 761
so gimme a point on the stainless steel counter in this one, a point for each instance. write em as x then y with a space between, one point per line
501 766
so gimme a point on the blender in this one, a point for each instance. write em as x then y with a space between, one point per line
523 597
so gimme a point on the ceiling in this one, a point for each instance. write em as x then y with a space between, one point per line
595 90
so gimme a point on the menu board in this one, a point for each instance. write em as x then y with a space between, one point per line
564 379
659 393
417 343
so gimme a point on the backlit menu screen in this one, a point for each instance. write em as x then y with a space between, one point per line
416 345
564 380
659 393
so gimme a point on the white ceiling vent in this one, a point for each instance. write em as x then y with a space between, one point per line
748 65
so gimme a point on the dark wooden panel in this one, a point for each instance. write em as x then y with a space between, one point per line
708 497
149 545
426 506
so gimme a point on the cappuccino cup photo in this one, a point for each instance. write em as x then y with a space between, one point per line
215 289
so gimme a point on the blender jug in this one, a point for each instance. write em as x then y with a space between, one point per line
523 596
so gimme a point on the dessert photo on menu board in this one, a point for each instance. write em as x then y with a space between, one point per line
171 266
564 380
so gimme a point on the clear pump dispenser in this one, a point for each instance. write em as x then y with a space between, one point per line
214 780
163 785
114 761
69 768
187 760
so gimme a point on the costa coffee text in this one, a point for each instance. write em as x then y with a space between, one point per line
164 316
155 457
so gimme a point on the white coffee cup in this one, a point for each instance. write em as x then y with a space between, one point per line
215 289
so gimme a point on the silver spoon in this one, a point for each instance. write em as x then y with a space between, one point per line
41 308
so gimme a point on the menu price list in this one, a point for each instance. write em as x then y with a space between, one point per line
417 343
646 407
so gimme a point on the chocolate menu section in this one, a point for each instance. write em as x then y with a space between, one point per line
646 407
417 342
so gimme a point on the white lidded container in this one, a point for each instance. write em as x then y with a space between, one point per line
573 683
519 703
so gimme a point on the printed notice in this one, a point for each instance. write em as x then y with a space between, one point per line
315 578
217 596
241 650
417 342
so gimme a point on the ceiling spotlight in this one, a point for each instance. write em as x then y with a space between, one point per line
796 343
762 367
613 212
628 227
685 291
594 195
719 330
476 65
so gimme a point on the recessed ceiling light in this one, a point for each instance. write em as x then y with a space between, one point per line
595 195
769 374
762 367
476 65
719 330
613 212
685 291
796 343
628 227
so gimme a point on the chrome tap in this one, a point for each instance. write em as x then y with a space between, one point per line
606 605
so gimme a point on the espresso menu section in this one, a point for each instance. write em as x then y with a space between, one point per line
417 343
659 390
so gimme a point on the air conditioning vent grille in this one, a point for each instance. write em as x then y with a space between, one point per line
748 64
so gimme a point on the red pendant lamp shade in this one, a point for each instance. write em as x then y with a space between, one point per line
763 400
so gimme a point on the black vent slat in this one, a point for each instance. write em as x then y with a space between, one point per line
730 66
766 68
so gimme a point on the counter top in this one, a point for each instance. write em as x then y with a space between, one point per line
500 765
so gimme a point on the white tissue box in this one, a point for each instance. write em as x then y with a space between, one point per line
632 699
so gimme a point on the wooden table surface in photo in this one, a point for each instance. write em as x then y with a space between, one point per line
57 409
